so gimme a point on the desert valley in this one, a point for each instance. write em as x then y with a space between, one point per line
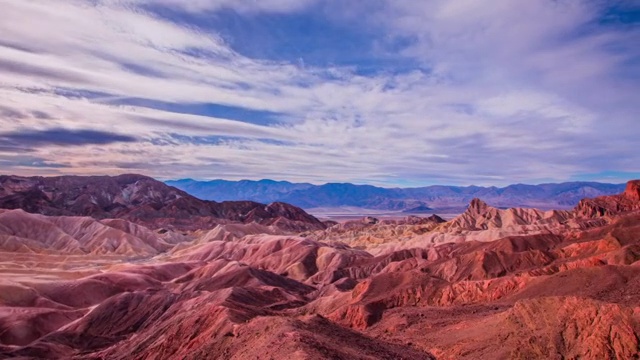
127 267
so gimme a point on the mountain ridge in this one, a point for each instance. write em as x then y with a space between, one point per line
142 200
545 196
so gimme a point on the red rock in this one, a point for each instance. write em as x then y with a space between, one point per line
632 190
611 205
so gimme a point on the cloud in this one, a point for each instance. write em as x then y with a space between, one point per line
11 114
390 91
29 162
41 115
16 67
66 137
242 6
207 109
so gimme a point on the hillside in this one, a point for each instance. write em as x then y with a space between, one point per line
141 200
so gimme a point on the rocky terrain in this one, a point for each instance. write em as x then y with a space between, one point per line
94 282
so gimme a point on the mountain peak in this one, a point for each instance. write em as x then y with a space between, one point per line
478 206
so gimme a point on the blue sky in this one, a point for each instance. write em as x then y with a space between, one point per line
386 92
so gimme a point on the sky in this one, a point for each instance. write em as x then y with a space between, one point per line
382 92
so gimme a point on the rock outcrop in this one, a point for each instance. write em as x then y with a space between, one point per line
601 206
632 191
480 216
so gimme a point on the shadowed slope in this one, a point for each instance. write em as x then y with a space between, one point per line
141 200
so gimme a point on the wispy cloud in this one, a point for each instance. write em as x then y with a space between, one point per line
242 6
57 136
441 91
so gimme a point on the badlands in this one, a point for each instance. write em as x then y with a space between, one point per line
127 267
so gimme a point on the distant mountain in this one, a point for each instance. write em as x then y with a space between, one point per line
264 191
543 196
142 200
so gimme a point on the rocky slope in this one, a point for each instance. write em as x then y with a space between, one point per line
369 232
33 233
141 200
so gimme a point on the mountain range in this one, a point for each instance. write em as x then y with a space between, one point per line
419 199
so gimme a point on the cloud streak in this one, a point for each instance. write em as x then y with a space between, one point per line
65 137
530 92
